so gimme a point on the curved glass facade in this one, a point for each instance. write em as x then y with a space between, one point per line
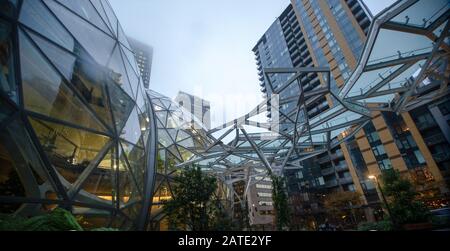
74 124
181 137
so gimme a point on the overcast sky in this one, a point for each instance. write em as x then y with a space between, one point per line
204 47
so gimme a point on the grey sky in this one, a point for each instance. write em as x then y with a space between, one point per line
204 47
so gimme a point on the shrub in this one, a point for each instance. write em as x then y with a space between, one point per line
384 225
58 220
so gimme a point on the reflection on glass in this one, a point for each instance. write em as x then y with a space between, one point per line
46 93
423 13
70 150
97 43
87 11
100 181
37 17
7 82
391 45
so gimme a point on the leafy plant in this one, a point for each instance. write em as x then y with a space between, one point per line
404 207
192 206
58 220
280 202
384 225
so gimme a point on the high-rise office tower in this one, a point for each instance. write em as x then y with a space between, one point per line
332 34
199 107
144 57
286 44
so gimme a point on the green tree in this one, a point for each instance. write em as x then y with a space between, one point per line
404 207
280 202
193 206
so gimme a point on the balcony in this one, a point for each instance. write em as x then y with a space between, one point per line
327 171
425 125
440 157
435 139
345 180
331 183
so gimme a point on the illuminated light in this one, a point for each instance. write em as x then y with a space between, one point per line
372 177
147 119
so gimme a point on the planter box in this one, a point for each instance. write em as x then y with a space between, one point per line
418 226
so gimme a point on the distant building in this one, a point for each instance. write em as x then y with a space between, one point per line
260 203
144 57
197 106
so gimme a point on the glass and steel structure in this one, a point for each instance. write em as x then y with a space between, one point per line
78 130
74 124
405 58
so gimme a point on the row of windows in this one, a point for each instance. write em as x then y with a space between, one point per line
263 186
267 195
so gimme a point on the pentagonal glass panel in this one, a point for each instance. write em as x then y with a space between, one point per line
391 45
97 43
164 138
423 13
188 143
144 124
85 9
98 6
369 79
132 131
120 74
173 157
162 116
161 160
185 154
46 93
403 77
136 160
163 194
100 182
111 16
7 80
128 190
131 59
122 38
121 105
62 60
133 78
140 101
70 150
37 17
175 151
182 135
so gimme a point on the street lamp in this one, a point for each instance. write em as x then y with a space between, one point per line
373 177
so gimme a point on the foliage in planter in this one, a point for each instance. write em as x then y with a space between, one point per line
404 207
336 203
11 222
384 225
58 220
280 202
192 207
